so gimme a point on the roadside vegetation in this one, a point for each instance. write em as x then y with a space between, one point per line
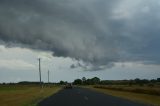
24 95
139 90
135 89
137 97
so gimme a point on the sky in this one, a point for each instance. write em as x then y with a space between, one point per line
109 39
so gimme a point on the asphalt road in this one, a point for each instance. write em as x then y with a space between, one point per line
85 97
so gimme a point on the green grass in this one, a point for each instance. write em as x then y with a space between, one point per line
138 97
18 95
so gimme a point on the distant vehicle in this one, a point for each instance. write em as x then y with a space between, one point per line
69 86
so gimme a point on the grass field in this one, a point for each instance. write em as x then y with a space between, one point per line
21 95
155 90
147 96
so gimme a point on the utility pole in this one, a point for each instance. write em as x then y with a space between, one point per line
48 76
40 71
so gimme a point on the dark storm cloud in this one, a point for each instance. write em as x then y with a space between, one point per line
98 32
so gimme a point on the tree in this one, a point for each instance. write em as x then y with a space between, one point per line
95 80
61 82
77 82
137 80
158 79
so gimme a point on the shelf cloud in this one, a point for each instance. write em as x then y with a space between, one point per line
97 32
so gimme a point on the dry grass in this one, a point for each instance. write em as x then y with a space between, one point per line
136 89
24 95
138 97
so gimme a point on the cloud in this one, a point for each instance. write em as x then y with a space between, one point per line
97 32
72 66
16 65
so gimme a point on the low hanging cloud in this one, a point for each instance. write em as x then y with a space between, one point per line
97 32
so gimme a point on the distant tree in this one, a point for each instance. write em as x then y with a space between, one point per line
61 82
153 80
92 81
104 82
88 82
95 80
28 83
77 82
144 81
137 80
141 82
158 79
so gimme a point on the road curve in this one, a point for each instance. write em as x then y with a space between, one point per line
85 97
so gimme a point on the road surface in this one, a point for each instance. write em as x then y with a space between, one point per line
85 97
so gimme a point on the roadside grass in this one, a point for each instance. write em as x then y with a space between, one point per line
22 95
137 97
151 90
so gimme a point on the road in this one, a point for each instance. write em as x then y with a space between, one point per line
85 97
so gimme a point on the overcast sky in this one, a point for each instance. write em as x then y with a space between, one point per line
110 39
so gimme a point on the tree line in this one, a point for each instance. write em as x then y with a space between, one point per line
96 80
